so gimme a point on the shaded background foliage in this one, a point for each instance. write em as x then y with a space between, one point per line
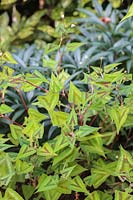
60 22
14 15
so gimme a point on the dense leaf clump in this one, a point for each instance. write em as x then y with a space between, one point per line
91 123
66 107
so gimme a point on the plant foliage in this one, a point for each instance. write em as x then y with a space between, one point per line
89 156
107 41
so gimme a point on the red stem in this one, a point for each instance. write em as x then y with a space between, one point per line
39 87
22 99
16 123
93 119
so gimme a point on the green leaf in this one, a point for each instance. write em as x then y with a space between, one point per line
3 139
29 24
25 32
67 171
31 82
119 116
58 118
99 195
23 167
50 47
52 194
110 67
78 169
100 172
61 142
85 131
75 95
34 19
38 74
25 151
113 77
93 196
55 84
28 191
47 183
5 109
63 76
1 196
116 3
108 137
125 162
4 19
6 169
50 63
49 101
4 147
129 121
129 13
7 72
73 46
5 2
73 119
62 156
49 30
46 151
63 186
7 57
12 195
35 115
98 70
78 185
16 132
33 130
119 195
92 143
